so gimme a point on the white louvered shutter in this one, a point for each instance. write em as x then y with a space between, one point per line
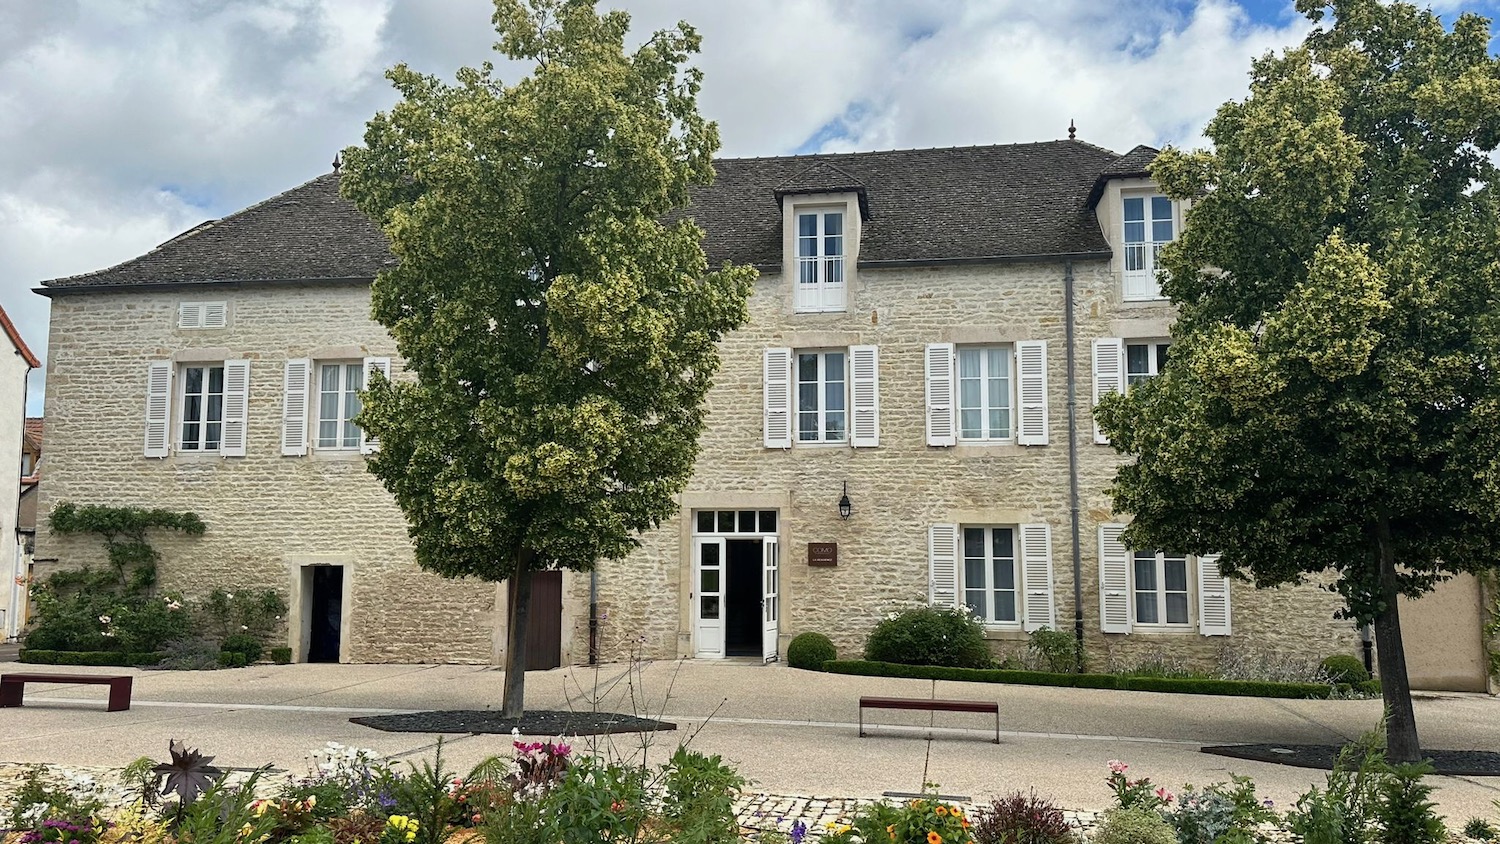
940 395
1031 371
777 386
942 565
215 314
190 315
1114 580
1036 574
369 444
294 396
1109 373
1213 597
864 396
158 407
236 408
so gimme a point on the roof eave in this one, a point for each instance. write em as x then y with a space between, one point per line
1040 258
216 284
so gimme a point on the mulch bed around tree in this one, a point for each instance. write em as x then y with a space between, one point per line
540 722
1457 763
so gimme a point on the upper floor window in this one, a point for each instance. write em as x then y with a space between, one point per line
984 393
1150 223
202 407
821 397
820 261
338 403
1144 360
990 579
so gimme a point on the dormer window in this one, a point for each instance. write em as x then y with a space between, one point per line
820 260
1150 223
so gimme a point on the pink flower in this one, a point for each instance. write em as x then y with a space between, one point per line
1117 767
1164 795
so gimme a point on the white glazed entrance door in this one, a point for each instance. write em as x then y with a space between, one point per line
708 598
770 598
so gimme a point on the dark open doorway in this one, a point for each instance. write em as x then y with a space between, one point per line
327 618
544 621
742 597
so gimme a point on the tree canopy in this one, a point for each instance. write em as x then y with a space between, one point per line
1332 402
556 310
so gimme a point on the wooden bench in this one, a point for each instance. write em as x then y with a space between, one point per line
12 686
928 705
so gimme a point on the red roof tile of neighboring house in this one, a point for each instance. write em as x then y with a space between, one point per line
15 337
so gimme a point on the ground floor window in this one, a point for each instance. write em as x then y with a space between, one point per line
990 577
1160 588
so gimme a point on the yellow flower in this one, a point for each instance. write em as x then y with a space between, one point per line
934 838
312 800
411 835
957 812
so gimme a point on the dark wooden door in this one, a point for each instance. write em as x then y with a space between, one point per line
544 622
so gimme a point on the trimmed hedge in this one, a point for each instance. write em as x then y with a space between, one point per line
1175 685
37 656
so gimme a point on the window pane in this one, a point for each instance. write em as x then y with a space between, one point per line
1175 574
807 396
969 393
710 606
1162 350
1135 258
807 271
351 409
1161 208
328 377
1135 232
833 395
709 578
974 599
190 433
1005 574
1145 608
354 373
833 246
768 521
1161 231
1005 606
807 426
216 379
215 407
974 542
833 223
833 270
1135 208
726 525
211 435
968 363
807 368
747 521
974 573
1003 543
834 366
807 225
194 380
834 430
1138 359
971 424
1177 608
705 521
1145 572
192 409
999 361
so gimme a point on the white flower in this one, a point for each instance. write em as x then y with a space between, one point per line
243 627
103 619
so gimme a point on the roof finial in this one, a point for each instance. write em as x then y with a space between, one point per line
1072 134
337 162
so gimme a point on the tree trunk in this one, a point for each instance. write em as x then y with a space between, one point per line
1401 721
513 704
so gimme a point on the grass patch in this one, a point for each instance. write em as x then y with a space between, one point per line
1123 682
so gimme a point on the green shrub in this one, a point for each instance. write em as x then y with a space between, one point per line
149 624
243 643
39 656
231 659
1345 670
1405 811
698 798
810 650
281 656
223 614
1173 685
929 636
1133 826
1220 813
1370 687
1480 829
1054 650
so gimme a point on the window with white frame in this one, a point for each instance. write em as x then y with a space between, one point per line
1150 222
820 260
1144 360
1160 589
202 407
991 580
984 393
822 383
338 403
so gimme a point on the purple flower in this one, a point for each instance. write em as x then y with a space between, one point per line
799 831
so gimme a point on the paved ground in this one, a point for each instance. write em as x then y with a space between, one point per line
792 732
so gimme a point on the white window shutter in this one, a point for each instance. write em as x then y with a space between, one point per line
940 395
215 314
864 396
190 315
1036 574
1114 580
294 407
1109 373
1031 370
367 443
777 386
158 407
1213 597
236 407
942 565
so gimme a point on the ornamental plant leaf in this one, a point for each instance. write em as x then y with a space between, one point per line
189 774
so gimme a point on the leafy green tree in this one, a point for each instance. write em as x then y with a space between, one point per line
1332 406
561 326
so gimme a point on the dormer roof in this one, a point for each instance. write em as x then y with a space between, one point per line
825 177
1135 164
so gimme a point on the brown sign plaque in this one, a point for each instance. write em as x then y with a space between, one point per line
822 553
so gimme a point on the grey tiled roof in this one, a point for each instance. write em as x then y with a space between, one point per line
309 232
922 205
1137 162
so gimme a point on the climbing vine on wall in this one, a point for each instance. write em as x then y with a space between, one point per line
124 530
1491 591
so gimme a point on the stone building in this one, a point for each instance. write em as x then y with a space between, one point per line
16 363
905 418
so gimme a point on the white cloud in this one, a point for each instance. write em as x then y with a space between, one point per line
123 124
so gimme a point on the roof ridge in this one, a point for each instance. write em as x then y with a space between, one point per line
817 155
191 232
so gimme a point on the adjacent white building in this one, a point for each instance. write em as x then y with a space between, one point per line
16 363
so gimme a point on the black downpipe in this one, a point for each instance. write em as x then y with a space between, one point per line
593 617
1073 468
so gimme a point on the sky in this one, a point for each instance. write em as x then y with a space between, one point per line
124 124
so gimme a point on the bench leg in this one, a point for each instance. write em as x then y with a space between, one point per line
997 726
861 722
119 695
10 693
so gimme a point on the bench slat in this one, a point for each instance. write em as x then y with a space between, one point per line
929 704
62 678
12 687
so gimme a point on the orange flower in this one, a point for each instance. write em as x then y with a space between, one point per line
957 812
934 838
966 824
941 810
